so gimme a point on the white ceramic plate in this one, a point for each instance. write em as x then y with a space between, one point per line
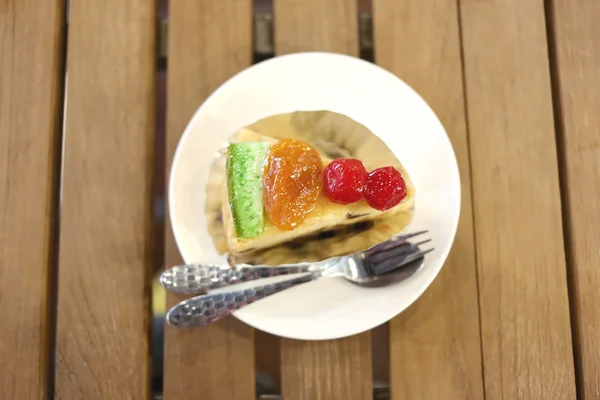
329 308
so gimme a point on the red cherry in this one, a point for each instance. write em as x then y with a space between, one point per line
385 188
345 179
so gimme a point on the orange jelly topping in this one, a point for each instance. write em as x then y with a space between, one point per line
292 182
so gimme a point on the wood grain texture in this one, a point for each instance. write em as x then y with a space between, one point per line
316 25
268 356
106 215
576 66
338 369
209 41
435 348
31 77
327 370
525 329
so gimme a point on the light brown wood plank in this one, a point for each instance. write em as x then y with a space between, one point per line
435 348
209 41
316 25
106 215
330 369
576 66
525 328
31 83
338 369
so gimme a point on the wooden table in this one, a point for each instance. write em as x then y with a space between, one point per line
515 312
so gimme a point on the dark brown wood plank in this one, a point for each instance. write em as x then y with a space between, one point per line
106 215
209 41
336 369
576 65
435 348
525 328
31 87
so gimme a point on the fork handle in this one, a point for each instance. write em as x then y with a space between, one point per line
198 278
208 308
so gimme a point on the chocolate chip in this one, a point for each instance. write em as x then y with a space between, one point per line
362 226
326 235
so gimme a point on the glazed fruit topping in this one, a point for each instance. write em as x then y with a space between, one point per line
345 180
292 182
385 188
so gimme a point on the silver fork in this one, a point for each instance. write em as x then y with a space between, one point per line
374 265
199 278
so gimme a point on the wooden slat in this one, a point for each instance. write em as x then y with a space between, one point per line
209 41
31 76
435 348
330 369
527 352
316 25
576 50
106 214
267 352
338 369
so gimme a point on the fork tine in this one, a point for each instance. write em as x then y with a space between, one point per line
423 242
397 261
406 236
391 245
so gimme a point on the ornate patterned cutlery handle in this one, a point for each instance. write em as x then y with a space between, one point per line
208 308
197 278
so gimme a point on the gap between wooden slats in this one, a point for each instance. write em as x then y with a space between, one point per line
526 337
573 32
209 41
106 214
31 97
435 347
335 369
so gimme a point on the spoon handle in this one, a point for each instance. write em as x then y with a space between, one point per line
205 309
